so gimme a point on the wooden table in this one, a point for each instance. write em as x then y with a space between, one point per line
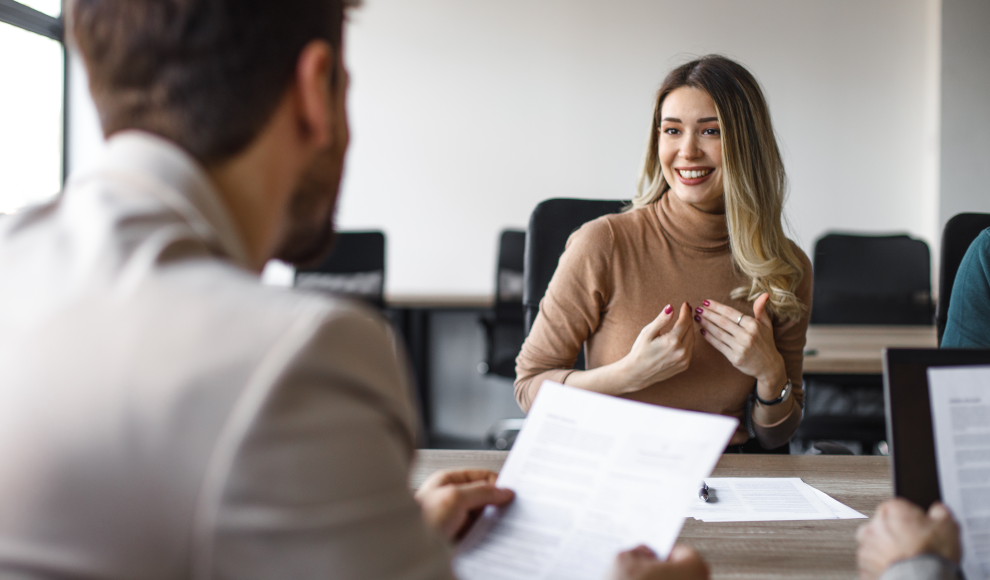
848 349
439 301
756 550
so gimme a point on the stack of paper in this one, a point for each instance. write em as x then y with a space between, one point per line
593 475
756 499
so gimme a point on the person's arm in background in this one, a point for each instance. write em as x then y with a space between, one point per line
571 311
901 542
968 319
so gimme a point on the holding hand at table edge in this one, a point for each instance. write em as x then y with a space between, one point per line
451 499
903 542
641 563
748 343
657 354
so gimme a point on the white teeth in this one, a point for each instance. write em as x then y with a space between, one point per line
694 174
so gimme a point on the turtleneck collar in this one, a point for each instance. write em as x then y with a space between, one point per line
689 226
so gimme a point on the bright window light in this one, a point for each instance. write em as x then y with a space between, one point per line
50 7
30 118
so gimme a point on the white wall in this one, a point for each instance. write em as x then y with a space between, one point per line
965 143
465 114
84 134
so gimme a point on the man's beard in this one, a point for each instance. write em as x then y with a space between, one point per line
309 234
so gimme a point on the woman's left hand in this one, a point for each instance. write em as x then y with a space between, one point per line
747 341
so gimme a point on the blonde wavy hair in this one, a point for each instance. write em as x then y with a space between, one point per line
753 179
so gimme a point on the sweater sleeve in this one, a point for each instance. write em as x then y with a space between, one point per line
790 338
569 312
968 324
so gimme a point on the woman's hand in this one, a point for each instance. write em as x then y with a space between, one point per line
747 341
452 499
657 355
899 531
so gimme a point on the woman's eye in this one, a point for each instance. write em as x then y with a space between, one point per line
711 132
671 131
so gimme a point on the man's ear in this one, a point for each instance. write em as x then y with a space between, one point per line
314 71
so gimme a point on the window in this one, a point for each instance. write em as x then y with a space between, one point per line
32 102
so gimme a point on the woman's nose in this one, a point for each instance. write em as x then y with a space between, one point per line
689 148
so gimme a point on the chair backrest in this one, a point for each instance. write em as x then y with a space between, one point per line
862 279
959 233
354 268
509 276
550 224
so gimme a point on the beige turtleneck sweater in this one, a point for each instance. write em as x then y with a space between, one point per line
615 276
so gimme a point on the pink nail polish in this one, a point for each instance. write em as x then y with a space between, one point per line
703 333
707 303
668 309
698 310
698 318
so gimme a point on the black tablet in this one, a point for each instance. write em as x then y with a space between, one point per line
909 416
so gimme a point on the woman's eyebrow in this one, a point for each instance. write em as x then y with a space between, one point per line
702 120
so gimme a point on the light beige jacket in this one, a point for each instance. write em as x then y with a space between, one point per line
163 415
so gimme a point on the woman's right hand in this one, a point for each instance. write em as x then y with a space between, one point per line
658 355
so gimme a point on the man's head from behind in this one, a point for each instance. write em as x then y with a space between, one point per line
218 77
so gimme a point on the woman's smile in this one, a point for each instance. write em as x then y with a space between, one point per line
693 175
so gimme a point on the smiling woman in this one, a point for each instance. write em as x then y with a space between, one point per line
693 298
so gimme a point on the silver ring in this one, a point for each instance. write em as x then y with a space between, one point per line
740 319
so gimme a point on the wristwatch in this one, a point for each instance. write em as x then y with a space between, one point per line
784 395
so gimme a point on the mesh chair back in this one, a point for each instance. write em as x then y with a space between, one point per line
550 224
354 268
959 233
871 280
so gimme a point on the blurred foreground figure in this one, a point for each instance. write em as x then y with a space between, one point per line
901 542
162 414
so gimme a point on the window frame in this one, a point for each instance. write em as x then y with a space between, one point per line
27 18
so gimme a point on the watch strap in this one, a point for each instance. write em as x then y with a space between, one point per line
784 395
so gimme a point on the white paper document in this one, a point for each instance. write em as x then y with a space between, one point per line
593 475
960 398
758 499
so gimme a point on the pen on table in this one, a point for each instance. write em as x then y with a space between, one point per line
703 492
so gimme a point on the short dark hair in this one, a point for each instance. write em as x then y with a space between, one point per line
205 74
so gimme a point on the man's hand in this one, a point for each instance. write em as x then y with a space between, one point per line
641 563
900 531
452 499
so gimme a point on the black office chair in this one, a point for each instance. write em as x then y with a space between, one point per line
504 324
550 224
355 268
862 279
959 233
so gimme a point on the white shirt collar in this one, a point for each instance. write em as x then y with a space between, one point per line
182 184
